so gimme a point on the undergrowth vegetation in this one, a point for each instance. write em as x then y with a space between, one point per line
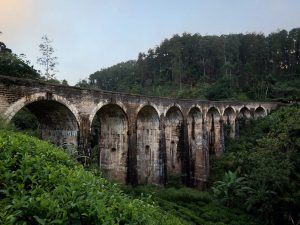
192 206
41 184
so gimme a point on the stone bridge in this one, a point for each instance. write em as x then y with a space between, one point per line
135 139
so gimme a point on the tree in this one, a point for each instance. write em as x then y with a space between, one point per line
243 66
47 60
15 65
64 82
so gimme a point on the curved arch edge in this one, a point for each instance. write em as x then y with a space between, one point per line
100 105
24 101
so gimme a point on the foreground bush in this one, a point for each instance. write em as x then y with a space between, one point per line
40 184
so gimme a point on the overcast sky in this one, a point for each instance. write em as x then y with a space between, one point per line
92 34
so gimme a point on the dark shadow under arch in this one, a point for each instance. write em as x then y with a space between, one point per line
214 130
244 113
229 117
54 120
259 112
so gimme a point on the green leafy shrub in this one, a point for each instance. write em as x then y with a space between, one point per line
41 184
231 189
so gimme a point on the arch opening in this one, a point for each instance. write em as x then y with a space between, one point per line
51 121
244 113
243 117
148 163
259 112
229 122
197 154
174 135
214 131
110 142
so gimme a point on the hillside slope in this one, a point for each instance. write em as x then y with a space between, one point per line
41 184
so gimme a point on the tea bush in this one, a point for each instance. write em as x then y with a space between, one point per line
41 184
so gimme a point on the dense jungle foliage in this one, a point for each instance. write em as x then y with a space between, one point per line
234 66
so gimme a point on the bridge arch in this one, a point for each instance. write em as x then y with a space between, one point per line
101 104
148 155
229 117
244 115
194 122
197 153
148 104
58 118
171 106
259 112
194 107
244 112
229 114
109 129
213 114
174 133
18 105
213 117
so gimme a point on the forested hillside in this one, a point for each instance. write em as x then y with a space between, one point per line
234 66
